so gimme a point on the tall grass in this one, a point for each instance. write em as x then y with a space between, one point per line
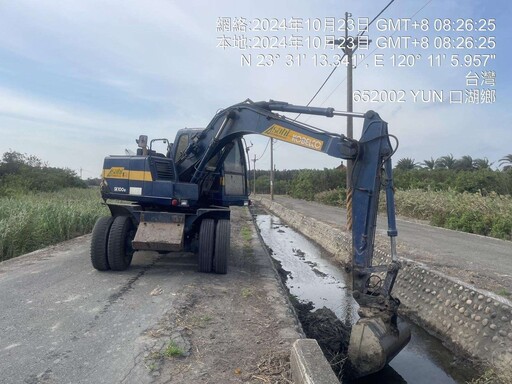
489 215
29 222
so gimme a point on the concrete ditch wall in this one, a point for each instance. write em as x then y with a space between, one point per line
476 322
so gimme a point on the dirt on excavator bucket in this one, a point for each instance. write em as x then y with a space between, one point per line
374 343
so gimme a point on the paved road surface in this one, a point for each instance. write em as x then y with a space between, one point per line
61 320
483 261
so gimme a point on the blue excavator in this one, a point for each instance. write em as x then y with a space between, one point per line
179 201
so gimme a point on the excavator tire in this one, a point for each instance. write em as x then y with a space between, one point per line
206 245
120 251
222 247
99 242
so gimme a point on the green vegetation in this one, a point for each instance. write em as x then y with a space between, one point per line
246 234
246 292
481 181
41 205
464 194
493 376
173 350
200 321
32 221
302 184
21 173
336 197
489 215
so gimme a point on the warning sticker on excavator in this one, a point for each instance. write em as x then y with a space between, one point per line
122 173
290 136
116 172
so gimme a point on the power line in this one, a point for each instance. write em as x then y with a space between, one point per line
375 18
265 150
340 61
373 51
421 9
325 81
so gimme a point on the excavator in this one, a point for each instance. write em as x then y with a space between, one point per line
179 201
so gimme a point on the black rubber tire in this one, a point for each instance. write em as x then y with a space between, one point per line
222 246
120 251
206 245
99 242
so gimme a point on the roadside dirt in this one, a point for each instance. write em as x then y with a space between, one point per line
234 328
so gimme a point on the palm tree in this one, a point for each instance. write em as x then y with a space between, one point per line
506 162
482 163
406 164
446 162
429 164
465 163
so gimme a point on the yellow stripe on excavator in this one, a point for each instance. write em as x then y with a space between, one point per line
279 132
127 174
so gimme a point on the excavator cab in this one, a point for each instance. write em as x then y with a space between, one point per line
226 182
224 176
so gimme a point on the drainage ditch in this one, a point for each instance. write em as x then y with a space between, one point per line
320 291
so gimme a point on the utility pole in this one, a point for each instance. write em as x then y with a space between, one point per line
348 49
271 169
254 178
349 45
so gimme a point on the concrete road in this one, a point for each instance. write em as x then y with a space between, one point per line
483 261
61 321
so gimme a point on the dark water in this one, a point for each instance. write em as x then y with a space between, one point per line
315 277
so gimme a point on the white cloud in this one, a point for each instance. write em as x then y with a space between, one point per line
162 54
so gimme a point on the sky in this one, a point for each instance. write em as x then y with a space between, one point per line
80 80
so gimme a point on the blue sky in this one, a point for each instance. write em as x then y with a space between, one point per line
82 79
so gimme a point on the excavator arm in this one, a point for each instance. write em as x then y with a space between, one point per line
378 336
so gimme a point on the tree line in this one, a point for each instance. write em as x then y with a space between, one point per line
445 173
465 163
21 173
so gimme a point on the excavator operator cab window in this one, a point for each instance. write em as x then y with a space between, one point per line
233 162
235 172
181 145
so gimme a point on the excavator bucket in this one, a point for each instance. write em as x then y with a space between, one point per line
373 344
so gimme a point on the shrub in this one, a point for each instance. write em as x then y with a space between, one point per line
336 197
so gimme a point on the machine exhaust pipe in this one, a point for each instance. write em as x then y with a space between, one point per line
373 344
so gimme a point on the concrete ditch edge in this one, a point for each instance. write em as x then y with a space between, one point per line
476 322
309 365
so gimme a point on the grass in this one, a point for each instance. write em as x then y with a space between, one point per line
246 233
33 221
200 321
504 292
489 215
493 376
173 350
246 292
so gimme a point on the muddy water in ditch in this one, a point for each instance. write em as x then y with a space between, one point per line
314 277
